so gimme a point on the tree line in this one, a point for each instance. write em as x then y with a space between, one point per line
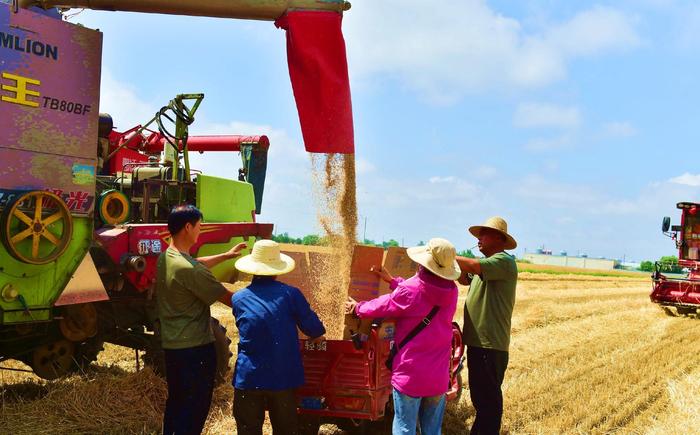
667 263
316 240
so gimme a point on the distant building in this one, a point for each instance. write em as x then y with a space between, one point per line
567 261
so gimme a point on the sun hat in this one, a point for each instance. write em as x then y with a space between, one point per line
499 224
265 259
438 256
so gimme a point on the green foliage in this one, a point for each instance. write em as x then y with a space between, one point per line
646 266
466 253
285 238
311 239
390 242
669 263
316 240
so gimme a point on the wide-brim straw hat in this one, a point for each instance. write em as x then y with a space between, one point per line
438 256
499 224
266 260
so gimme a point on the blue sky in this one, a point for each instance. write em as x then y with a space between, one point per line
575 121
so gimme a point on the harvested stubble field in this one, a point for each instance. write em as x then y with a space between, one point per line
590 354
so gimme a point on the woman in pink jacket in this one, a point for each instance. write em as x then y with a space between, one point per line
421 368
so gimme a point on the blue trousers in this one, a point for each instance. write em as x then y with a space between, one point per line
190 375
411 411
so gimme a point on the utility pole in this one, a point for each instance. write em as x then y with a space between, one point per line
364 232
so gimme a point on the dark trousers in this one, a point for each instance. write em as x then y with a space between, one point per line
486 368
249 411
190 375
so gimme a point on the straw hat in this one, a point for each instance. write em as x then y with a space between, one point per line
499 224
438 256
266 260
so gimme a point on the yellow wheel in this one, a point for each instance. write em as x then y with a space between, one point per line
53 360
36 227
113 207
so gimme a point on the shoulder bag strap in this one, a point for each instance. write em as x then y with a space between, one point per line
425 322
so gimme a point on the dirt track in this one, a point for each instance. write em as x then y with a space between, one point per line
589 354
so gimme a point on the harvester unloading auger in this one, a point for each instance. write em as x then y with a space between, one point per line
83 207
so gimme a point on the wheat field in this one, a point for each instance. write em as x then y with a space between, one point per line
589 354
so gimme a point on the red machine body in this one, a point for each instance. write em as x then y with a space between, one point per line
132 148
136 246
680 290
344 382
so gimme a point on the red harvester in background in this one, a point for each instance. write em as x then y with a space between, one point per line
677 286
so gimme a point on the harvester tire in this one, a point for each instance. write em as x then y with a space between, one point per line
53 360
223 351
86 353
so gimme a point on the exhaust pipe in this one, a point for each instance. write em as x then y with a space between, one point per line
245 9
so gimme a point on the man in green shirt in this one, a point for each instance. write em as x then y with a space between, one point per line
487 316
185 289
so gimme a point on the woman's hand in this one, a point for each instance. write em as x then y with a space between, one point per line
383 273
350 305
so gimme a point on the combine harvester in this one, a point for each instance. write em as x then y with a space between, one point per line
680 294
83 207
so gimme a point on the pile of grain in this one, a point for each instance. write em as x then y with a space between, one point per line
336 205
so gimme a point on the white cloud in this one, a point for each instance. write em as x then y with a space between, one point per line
689 26
122 102
530 115
485 172
446 49
619 129
687 179
363 166
549 144
437 180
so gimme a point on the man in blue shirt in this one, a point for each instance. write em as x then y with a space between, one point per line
269 367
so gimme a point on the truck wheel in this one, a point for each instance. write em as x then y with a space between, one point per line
223 351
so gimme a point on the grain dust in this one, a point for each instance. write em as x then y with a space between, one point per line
334 195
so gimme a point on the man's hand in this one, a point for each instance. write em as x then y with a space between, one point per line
236 250
317 340
465 278
350 305
212 260
383 273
